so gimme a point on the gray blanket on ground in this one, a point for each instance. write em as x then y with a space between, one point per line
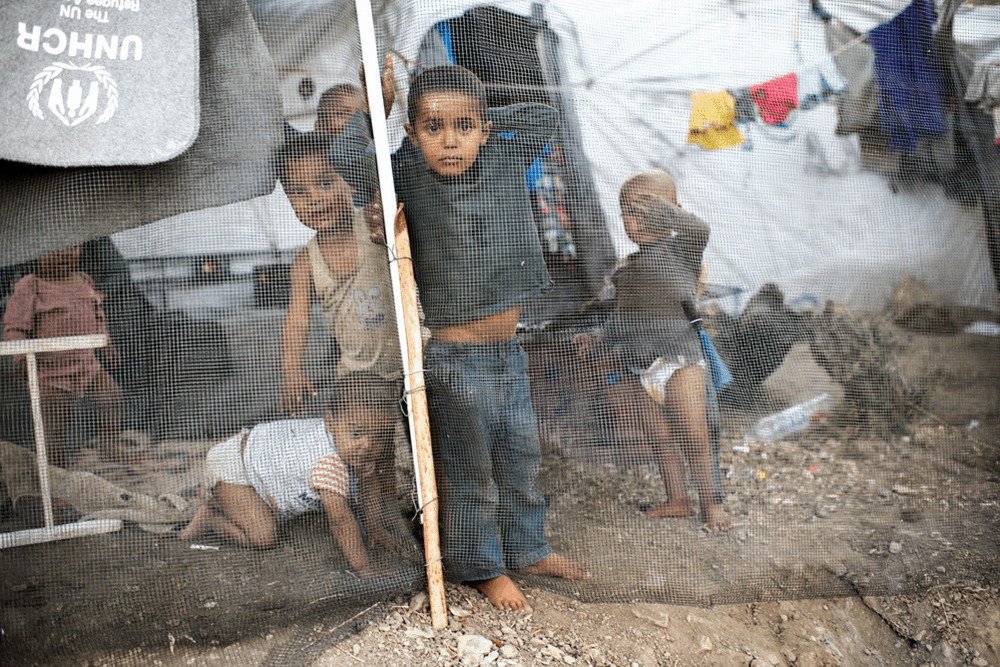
91 495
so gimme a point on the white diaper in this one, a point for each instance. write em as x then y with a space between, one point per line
655 378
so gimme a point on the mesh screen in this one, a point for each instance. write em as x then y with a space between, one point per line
708 309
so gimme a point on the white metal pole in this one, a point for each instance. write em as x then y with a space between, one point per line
40 453
413 367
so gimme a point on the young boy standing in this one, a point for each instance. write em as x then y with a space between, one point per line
342 267
653 329
460 176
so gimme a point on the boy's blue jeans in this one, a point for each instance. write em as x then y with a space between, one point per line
488 454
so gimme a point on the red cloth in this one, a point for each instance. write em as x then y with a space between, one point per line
776 98
40 309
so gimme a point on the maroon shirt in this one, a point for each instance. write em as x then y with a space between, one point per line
40 309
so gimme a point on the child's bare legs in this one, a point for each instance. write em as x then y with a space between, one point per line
663 448
242 517
56 409
628 425
686 405
107 398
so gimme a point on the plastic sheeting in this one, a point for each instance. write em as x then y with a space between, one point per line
630 78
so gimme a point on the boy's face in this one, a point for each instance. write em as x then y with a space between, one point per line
449 130
331 118
360 434
320 197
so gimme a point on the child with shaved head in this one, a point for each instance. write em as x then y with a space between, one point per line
654 331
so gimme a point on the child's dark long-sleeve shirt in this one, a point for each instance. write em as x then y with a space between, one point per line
651 287
473 236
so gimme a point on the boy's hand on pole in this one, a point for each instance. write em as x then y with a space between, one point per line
388 84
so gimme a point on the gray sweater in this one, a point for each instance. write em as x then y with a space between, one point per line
651 288
474 238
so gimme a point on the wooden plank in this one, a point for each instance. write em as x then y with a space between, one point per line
421 425
40 452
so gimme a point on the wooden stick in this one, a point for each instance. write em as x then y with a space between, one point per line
421 424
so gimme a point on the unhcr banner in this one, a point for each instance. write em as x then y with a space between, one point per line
98 82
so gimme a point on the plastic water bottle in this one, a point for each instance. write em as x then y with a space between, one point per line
791 420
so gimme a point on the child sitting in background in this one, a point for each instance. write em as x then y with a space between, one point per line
283 469
60 300
653 330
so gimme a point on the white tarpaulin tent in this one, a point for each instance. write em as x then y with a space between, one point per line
792 205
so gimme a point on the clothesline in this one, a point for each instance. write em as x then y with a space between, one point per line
639 87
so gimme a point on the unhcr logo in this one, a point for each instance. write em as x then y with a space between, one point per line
75 97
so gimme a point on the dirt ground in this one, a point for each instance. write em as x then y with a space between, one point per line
843 551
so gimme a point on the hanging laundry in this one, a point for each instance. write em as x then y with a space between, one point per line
819 82
776 98
711 124
983 89
908 77
745 110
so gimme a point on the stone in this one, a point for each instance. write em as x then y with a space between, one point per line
552 652
459 613
420 632
652 613
419 601
895 547
473 646
508 651
705 645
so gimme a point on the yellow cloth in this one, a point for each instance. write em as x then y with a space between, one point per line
711 125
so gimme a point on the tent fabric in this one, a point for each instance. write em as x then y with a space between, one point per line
863 15
110 85
46 208
629 78
984 85
974 128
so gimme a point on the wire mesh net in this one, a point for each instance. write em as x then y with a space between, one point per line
707 308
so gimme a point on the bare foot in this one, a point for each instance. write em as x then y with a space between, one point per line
555 565
502 592
716 518
669 510
199 525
